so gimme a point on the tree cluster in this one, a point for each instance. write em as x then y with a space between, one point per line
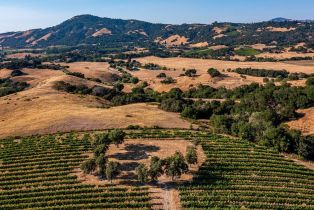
99 163
173 166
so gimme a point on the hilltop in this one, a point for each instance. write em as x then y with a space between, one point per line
93 30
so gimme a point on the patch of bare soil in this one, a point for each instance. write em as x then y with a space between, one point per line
261 46
174 40
217 47
164 194
199 44
103 31
279 29
305 123
43 38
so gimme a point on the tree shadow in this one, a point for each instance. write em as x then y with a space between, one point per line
135 152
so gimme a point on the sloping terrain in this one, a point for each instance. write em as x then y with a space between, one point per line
42 109
305 123
231 80
241 175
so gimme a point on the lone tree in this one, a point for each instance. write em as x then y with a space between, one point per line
190 72
156 168
142 173
112 170
175 166
213 72
191 155
89 166
116 136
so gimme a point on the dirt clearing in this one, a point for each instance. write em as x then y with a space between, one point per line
305 123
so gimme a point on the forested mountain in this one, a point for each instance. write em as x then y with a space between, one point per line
93 30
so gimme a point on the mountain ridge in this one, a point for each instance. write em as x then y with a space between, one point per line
93 30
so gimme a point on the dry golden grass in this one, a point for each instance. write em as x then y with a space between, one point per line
98 70
174 40
4 73
103 31
280 29
217 47
261 46
45 37
305 123
204 64
218 36
41 109
219 30
22 55
301 63
231 81
284 55
199 44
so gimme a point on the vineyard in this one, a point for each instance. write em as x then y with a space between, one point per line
36 173
239 174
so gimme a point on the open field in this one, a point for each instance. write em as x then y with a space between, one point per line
139 151
284 55
204 64
99 70
42 109
22 55
231 81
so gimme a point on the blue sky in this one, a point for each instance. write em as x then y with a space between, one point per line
18 15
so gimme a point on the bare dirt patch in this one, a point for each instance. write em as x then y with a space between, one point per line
217 47
44 38
139 151
133 152
103 31
174 40
305 123
261 46
199 44
279 29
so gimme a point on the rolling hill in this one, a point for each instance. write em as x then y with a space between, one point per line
93 30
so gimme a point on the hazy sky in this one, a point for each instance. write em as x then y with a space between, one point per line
26 14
